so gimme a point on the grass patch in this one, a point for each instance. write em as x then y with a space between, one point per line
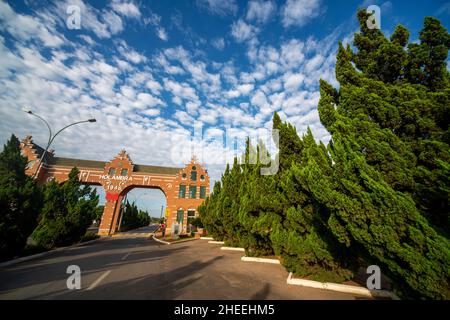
89 236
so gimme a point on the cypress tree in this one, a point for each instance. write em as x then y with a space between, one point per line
259 202
20 200
302 239
391 156
209 213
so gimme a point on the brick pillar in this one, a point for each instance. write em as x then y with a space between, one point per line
172 206
109 217
115 221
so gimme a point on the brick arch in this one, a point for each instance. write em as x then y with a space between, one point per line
117 177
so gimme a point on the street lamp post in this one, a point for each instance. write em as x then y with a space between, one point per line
50 137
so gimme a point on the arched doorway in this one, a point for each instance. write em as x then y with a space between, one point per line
152 201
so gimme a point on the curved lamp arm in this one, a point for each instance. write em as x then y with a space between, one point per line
50 137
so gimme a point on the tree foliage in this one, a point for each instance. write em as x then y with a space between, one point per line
20 200
389 123
133 217
69 209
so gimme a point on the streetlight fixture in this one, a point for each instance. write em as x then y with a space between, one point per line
50 137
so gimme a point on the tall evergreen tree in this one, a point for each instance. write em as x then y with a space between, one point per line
259 202
133 217
391 153
302 239
209 213
20 200
229 202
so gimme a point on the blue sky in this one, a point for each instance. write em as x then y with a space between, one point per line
148 70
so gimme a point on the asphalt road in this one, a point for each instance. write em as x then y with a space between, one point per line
136 267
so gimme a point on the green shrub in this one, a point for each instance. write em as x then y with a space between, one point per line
69 209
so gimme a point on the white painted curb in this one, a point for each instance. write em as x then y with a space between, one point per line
45 253
160 241
263 260
216 242
341 288
207 238
232 249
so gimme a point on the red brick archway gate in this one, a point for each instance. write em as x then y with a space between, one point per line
184 188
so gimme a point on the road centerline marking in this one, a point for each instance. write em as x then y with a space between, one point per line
96 282
125 256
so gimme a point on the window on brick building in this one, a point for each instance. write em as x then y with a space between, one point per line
112 171
124 172
192 192
182 193
191 213
193 175
180 216
202 192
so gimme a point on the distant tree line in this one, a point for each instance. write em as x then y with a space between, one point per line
133 217
377 193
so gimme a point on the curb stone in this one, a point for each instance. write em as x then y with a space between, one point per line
341 288
263 260
174 242
232 249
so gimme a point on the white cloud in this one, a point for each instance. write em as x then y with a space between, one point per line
245 89
259 99
184 118
162 34
25 28
241 31
219 7
293 80
151 112
167 67
87 39
314 63
92 19
113 21
130 54
299 12
180 90
218 43
192 107
147 100
209 116
126 8
300 102
154 86
260 11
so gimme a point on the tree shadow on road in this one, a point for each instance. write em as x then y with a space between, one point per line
164 286
37 272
